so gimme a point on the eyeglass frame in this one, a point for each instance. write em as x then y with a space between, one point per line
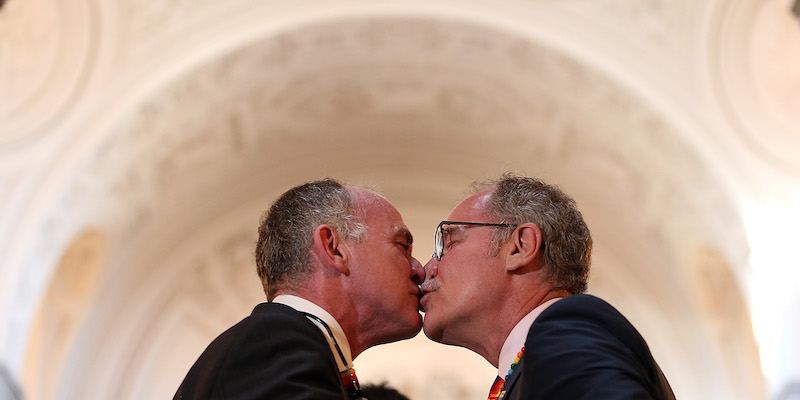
438 238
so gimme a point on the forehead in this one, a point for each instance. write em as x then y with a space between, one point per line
378 213
473 208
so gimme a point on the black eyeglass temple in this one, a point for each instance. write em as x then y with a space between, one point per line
473 223
438 236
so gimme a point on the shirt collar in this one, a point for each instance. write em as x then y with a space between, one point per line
301 304
516 339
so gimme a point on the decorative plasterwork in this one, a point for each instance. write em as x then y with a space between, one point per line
46 49
364 98
755 60
475 93
653 24
207 283
147 23
774 57
370 81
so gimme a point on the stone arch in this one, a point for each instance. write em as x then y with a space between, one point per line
67 300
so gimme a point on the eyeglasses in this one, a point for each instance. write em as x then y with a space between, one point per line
438 238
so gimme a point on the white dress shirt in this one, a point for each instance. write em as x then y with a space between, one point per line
516 339
303 305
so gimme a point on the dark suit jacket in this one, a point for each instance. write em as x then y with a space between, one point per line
275 353
583 348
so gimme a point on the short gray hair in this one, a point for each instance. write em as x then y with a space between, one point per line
567 242
285 233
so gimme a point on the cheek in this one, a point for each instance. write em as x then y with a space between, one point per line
460 287
395 278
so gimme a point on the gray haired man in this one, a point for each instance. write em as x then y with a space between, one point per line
335 262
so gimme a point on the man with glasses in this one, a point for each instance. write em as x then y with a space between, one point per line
335 262
506 281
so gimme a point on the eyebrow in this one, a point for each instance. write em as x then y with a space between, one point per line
450 229
404 233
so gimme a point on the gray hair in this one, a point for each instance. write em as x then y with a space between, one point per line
285 233
567 242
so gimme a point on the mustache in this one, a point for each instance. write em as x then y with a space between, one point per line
430 285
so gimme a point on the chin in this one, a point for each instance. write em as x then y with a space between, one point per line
431 331
414 327
408 331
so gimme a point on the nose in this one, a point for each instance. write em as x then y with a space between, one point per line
431 268
417 271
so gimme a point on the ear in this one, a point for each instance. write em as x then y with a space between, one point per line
330 250
525 246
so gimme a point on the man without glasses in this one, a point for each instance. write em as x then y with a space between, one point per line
335 262
506 281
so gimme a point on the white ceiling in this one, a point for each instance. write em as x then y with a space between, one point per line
169 126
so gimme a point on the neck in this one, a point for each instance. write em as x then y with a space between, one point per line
495 333
337 307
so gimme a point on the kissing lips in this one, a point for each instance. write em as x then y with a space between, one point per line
427 287
418 294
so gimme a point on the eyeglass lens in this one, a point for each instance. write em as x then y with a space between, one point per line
439 243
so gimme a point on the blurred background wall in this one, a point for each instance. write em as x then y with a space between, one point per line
140 142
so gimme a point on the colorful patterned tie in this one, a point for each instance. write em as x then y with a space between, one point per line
497 386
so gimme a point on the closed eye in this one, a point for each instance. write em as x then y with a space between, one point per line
406 248
404 239
447 239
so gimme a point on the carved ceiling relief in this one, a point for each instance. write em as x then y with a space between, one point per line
754 58
199 89
609 165
151 17
702 214
215 94
217 113
203 287
653 169
391 93
257 99
353 92
655 23
29 45
183 158
237 260
216 278
44 56
774 53
142 162
147 19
